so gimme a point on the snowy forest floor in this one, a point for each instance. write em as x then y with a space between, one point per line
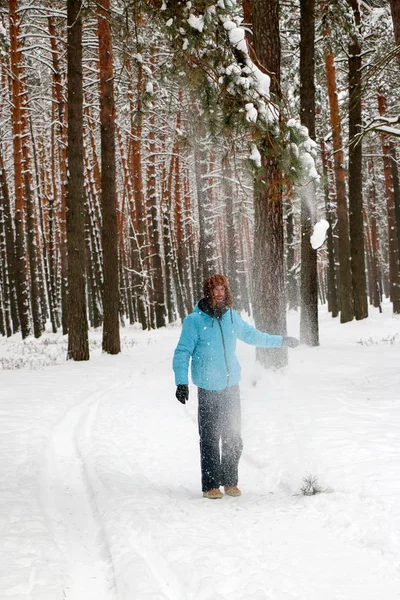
99 463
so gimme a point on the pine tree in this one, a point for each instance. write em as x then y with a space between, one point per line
78 343
309 282
109 232
356 221
268 276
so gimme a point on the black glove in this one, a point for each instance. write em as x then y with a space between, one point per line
182 393
290 342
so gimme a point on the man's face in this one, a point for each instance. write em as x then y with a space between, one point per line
219 295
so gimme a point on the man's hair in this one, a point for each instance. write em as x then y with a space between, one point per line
210 283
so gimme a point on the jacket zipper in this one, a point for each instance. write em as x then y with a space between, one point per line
226 360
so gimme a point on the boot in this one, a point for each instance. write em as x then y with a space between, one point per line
213 494
232 490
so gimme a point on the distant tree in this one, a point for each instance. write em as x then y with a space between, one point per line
20 212
8 255
78 343
345 281
309 280
59 123
333 305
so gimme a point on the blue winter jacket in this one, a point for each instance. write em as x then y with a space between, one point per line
210 342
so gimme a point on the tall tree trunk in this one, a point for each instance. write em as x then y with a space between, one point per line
396 194
10 246
333 305
31 226
5 295
109 232
375 270
291 280
394 271
309 279
167 243
138 213
157 293
62 152
345 281
356 221
395 8
231 249
45 210
190 281
20 249
206 253
78 343
269 286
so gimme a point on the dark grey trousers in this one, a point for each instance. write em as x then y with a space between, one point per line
220 440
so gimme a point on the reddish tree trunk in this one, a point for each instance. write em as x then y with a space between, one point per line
345 281
395 8
20 250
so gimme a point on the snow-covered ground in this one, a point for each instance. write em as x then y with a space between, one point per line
100 482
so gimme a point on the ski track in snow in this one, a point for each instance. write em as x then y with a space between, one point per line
70 505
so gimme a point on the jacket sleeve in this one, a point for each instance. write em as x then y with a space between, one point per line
250 335
184 350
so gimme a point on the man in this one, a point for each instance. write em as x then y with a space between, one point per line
208 338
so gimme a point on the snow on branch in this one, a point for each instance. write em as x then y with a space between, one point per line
209 41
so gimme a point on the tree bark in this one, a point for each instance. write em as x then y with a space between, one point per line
61 122
292 291
309 333
395 8
109 231
206 252
268 281
10 247
231 247
157 294
31 227
394 270
356 222
20 249
333 305
138 212
345 280
375 251
78 343
396 194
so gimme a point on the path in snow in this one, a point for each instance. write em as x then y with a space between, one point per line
71 507
104 500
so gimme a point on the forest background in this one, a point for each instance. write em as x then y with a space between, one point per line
145 145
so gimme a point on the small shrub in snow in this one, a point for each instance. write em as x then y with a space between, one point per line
311 487
389 339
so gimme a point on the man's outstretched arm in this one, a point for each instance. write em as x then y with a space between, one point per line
251 335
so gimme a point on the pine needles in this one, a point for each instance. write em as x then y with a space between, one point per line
311 487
